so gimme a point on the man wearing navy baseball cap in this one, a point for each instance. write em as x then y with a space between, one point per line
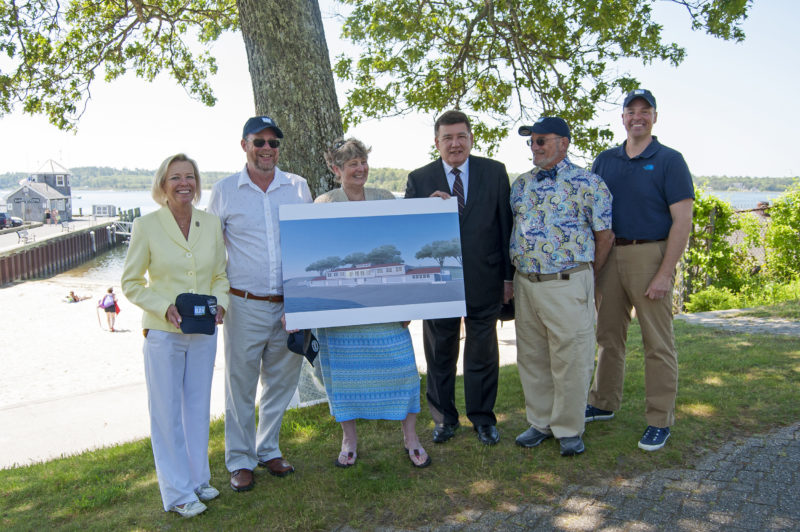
652 218
247 203
562 232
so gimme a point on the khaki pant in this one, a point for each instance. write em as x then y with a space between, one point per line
555 350
621 285
255 347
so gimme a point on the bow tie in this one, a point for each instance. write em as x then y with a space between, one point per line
545 174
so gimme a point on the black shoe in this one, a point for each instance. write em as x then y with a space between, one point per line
443 432
571 446
487 434
532 438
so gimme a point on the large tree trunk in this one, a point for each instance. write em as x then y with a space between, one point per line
293 82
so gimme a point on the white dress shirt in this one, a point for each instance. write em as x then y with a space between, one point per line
250 225
448 172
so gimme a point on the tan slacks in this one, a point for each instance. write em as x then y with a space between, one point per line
620 286
555 350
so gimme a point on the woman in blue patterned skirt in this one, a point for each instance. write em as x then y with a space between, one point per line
369 370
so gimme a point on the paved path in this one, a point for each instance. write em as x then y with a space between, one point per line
732 321
751 484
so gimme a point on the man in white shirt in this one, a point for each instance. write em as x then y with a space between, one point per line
247 203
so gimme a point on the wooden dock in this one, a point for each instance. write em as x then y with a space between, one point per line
52 249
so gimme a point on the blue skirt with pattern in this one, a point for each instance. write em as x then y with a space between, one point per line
369 371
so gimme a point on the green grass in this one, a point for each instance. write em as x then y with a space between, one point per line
731 385
788 310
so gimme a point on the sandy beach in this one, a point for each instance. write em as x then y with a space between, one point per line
68 384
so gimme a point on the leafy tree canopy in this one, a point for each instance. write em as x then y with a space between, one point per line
58 49
510 60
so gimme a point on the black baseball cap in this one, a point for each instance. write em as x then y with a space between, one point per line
547 124
304 343
198 313
259 123
644 94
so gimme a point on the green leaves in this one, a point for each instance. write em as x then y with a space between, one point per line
509 60
57 50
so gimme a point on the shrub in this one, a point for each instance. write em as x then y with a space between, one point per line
782 238
712 298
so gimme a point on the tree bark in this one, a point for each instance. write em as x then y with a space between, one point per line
293 82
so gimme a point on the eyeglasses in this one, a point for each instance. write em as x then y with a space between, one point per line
540 141
338 144
273 143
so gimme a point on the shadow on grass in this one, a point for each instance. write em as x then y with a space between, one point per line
730 385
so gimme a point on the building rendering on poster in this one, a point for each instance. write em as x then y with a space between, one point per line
360 262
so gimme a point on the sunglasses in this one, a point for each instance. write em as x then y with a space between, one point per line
273 143
540 141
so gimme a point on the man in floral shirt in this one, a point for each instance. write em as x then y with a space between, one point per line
561 236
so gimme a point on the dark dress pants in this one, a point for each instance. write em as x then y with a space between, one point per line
481 365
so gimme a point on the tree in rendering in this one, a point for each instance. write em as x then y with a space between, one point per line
324 265
439 250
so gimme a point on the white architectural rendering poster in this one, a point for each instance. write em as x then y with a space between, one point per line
360 262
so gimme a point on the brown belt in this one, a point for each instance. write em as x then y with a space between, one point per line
247 295
563 275
626 242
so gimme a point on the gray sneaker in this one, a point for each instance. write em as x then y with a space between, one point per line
571 446
532 438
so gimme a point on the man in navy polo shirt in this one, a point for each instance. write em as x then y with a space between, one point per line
651 218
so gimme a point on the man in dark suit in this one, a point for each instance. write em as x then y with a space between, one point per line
482 189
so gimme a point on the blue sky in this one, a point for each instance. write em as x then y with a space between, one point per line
342 236
731 109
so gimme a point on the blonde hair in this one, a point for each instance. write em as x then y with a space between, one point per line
157 190
343 150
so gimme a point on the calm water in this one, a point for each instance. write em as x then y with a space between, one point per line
84 199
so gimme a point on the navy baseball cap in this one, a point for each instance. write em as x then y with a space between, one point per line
258 123
644 94
547 124
198 313
304 343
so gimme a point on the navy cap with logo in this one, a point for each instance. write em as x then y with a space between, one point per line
259 123
304 343
547 124
198 313
644 94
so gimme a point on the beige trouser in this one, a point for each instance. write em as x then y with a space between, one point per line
620 286
255 346
555 350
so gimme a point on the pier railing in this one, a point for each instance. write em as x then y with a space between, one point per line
55 255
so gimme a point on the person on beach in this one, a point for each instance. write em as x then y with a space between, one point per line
481 188
74 298
652 218
247 203
109 305
562 234
369 371
178 250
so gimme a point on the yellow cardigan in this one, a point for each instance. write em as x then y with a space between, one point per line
173 264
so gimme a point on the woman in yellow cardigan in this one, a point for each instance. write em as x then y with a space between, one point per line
181 250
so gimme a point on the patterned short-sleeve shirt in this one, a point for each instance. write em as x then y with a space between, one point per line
554 218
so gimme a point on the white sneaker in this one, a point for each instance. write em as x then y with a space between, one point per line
190 509
206 492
